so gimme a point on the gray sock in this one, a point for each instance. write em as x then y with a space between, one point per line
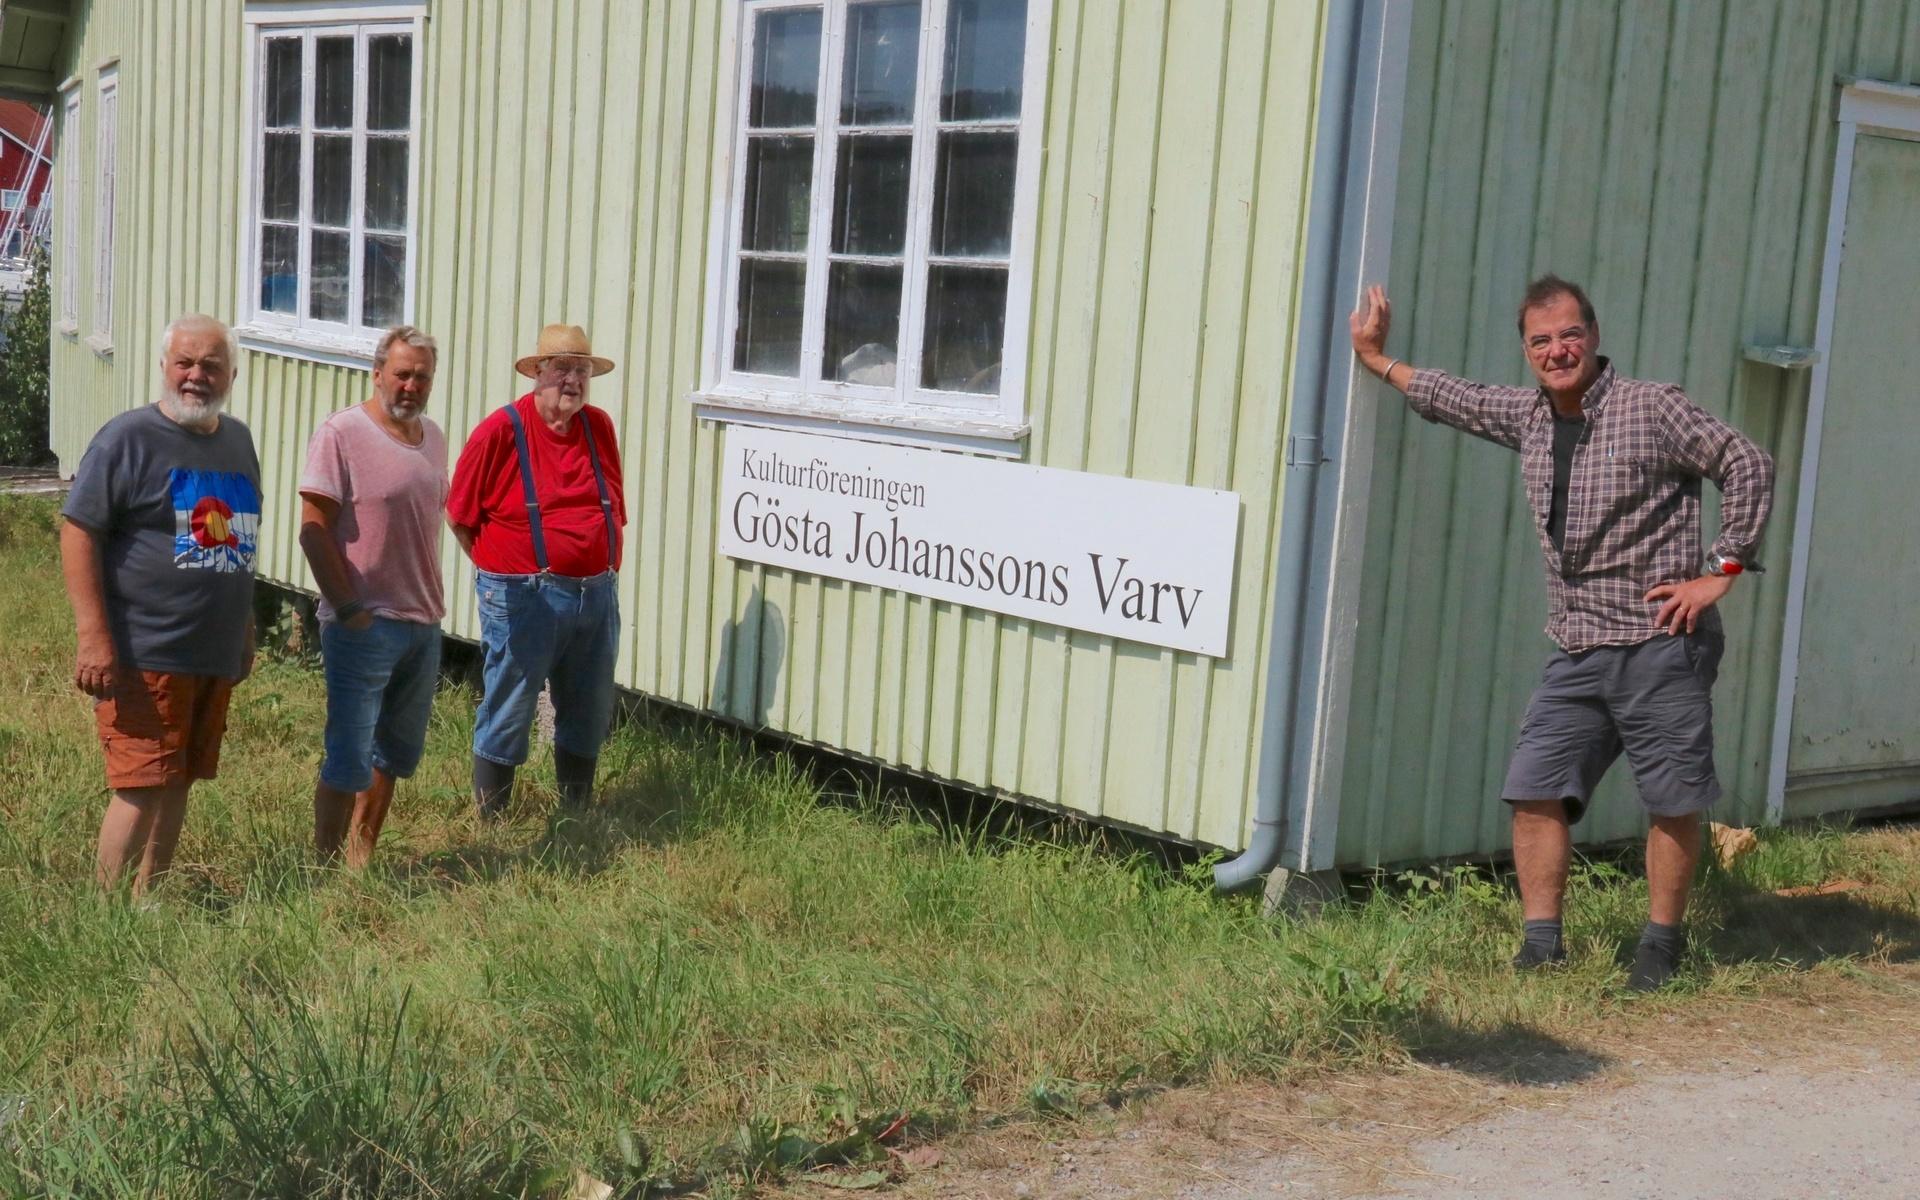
1543 935
1667 938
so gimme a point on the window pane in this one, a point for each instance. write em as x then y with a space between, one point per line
389 81
863 323
772 299
333 83
786 69
332 180
973 194
386 183
986 45
883 50
966 329
383 282
280 177
870 194
282 105
779 189
327 294
280 269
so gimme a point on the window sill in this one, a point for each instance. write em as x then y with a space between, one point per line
102 345
354 353
67 329
930 429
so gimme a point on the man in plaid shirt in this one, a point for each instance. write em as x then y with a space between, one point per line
1612 468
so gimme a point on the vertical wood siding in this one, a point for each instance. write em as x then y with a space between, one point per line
1675 156
567 177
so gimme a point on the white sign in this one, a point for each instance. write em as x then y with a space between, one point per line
1149 562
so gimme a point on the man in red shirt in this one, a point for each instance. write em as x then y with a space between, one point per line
536 503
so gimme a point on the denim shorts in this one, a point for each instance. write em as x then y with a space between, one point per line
540 630
1653 700
380 683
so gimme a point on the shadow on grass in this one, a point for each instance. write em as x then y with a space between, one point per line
629 812
1509 1053
1803 931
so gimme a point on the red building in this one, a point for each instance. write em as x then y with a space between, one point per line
26 170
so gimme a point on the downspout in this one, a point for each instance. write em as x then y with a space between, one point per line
1300 591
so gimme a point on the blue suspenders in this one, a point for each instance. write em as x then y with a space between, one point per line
534 525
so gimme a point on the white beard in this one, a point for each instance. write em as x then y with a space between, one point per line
201 416
404 411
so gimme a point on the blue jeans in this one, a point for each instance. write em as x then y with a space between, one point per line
538 629
380 683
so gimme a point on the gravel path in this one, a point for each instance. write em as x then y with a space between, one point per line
1789 1098
1756 1133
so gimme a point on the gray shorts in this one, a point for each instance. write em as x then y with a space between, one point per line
1654 700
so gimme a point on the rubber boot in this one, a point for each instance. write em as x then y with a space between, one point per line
574 776
492 787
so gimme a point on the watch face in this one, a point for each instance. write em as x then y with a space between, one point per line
1730 568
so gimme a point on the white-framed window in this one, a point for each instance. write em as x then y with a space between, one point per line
12 199
106 137
331 238
876 261
67 211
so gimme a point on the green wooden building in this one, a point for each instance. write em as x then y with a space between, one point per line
1064 250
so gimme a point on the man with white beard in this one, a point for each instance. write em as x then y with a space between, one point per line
372 498
158 550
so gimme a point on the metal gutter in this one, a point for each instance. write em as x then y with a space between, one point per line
1361 93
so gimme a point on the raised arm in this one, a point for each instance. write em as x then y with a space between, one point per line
1498 414
1368 326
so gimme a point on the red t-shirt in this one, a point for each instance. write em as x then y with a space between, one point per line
488 497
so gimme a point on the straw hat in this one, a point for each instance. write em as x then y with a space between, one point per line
562 341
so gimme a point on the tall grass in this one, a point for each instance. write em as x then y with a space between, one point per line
712 974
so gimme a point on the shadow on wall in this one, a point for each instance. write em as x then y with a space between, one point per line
752 651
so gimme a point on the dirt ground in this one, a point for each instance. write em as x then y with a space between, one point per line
1807 1096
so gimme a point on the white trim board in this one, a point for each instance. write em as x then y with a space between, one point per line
321 12
1885 110
1374 163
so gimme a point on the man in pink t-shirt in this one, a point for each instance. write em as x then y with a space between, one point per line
372 497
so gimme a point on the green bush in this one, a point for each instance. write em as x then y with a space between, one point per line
23 373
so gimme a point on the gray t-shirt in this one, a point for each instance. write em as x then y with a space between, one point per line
178 515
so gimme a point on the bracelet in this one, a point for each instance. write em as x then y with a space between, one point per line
349 610
1388 373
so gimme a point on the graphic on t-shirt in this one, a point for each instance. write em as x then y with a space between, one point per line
216 520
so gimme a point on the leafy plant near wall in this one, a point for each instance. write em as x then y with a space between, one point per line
24 389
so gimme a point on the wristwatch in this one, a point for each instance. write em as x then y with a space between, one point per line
1723 564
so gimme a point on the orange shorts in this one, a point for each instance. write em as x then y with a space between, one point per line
159 728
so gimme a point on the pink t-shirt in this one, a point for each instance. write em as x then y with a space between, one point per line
392 497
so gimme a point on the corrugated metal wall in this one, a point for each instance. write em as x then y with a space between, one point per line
1676 156
576 187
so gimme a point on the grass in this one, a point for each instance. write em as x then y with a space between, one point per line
713 979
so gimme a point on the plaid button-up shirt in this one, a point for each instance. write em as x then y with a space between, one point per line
1633 497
